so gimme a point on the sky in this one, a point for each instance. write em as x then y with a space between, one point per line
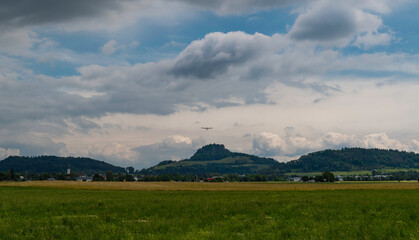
131 82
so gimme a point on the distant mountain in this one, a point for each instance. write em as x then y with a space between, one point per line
56 164
213 159
349 159
216 159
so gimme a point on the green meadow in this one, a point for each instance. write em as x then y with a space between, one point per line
57 213
353 173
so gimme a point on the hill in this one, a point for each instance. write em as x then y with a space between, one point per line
349 159
56 164
213 159
216 159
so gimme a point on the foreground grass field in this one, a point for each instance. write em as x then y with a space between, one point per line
55 212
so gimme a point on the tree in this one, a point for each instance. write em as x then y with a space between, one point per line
130 170
11 174
3 176
109 175
328 176
305 178
73 176
129 178
319 179
97 178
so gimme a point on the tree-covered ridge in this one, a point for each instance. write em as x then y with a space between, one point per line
353 159
213 159
56 164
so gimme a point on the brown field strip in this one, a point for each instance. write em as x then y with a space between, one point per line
198 186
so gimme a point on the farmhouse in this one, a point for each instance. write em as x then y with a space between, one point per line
84 179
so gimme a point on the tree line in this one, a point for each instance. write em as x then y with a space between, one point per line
130 176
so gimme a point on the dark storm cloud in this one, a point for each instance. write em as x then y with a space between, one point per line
241 6
18 13
28 12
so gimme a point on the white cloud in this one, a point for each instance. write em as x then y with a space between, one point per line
170 148
291 147
414 145
114 153
30 143
110 47
4 153
270 144
335 139
371 39
17 42
382 141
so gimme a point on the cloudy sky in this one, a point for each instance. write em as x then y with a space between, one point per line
132 82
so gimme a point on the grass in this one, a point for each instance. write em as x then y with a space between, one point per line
56 212
354 173
336 173
392 170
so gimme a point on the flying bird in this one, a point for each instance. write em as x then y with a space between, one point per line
206 128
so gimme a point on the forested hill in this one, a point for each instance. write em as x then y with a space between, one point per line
352 159
213 159
56 164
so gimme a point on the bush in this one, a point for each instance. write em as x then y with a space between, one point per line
328 176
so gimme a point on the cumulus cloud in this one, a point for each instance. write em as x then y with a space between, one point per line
110 47
21 42
370 39
381 140
29 144
114 153
414 145
218 51
324 24
170 148
340 23
339 140
293 146
4 153
243 69
270 144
